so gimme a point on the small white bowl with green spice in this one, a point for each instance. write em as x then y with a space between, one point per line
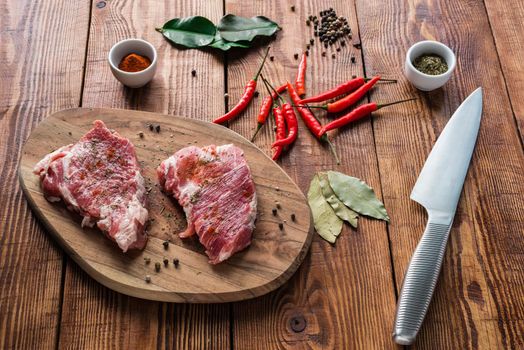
429 65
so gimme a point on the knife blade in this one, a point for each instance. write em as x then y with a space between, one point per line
438 190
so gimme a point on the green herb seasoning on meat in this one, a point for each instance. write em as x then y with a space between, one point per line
431 64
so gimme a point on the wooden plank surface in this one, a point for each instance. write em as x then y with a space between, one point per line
41 67
343 295
322 306
95 316
506 19
476 300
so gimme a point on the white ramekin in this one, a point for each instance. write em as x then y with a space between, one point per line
125 47
424 81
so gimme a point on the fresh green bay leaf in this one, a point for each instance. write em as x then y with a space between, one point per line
192 32
327 223
336 204
236 28
224 45
357 195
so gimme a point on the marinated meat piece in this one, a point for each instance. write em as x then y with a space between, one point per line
214 186
99 178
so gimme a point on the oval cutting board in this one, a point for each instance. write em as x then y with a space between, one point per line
274 254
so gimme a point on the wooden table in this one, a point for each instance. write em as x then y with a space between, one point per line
54 56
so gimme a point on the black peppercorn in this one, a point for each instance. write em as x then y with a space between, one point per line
256 94
175 262
280 225
165 244
293 217
296 56
353 59
333 56
324 54
193 72
271 58
274 211
157 128
312 41
293 8
157 266
166 262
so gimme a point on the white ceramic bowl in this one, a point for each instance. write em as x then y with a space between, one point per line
424 81
125 47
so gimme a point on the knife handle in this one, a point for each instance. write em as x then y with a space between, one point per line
419 282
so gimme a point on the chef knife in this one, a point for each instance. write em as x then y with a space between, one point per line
437 189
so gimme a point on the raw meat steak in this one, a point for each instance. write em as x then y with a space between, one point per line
214 186
99 178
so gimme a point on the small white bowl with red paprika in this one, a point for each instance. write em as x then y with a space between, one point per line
133 62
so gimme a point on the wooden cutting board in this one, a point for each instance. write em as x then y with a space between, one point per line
272 258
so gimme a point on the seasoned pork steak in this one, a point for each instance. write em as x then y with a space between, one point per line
214 186
99 178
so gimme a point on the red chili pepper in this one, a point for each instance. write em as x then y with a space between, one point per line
281 130
358 113
292 126
300 81
344 88
352 98
309 118
247 96
265 108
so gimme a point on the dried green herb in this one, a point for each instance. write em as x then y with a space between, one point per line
327 223
357 195
339 208
431 64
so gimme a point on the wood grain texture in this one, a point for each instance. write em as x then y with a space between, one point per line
171 91
507 25
274 253
40 73
476 300
323 304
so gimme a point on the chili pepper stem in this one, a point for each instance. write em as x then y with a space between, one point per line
262 65
272 88
386 80
379 106
259 126
331 146
268 90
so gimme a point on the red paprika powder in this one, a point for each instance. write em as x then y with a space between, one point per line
134 63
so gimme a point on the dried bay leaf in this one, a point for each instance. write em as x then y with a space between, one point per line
338 207
327 224
357 195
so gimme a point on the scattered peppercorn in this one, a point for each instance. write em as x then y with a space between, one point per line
274 211
293 8
312 41
141 134
280 225
175 262
70 133
338 49
307 53
278 205
324 54
308 47
157 266
151 127
296 56
293 217
353 76
165 244
333 56
308 22
147 260
271 58
353 59
166 262
256 94
357 46
148 279
193 72
157 128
